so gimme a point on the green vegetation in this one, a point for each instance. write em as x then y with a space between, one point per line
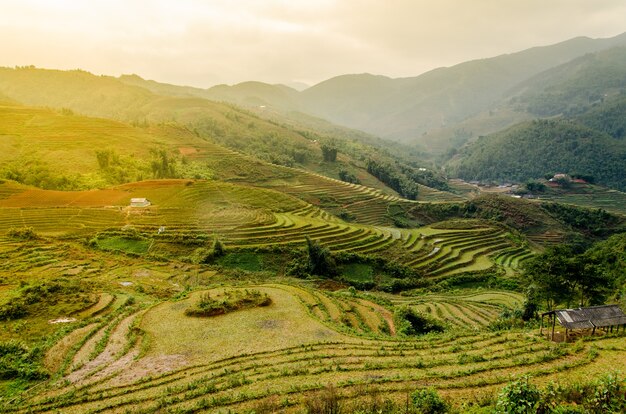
57 296
566 275
427 401
385 173
19 362
577 85
533 149
605 395
407 298
124 244
410 322
229 301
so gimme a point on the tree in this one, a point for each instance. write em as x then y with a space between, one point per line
535 186
218 248
162 165
348 177
563 275
329 152
321 261
551 273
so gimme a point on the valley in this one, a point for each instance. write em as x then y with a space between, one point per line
173 249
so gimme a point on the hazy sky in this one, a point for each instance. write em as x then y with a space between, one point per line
206 42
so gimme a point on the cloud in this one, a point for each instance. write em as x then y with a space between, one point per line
225 41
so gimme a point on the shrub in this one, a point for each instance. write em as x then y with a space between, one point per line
12 310
207 306
518 397
25 233
411 322
321 262
218 248
609 395
428 401
324 402
17 361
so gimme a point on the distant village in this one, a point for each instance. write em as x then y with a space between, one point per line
530 190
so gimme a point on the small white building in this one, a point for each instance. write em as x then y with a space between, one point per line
139 202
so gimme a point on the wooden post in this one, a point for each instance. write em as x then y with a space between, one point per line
541 326
593 331
565 334
553 326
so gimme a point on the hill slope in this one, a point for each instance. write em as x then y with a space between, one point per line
233 127
410 109
575 86
536 148
404 109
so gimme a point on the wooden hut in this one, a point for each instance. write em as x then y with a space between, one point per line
604 317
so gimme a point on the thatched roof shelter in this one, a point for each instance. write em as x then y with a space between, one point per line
605 316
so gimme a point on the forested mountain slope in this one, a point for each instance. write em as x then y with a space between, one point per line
225 124
534 149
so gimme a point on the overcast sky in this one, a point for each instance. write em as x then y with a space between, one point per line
206 42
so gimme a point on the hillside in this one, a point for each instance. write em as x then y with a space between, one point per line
607 117
129 344
357 144
533 149
574 87
235 128
429 107
404 109
588 89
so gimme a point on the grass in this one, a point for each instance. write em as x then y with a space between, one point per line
358 272
124 244
473 310
186 214
171 332
252 262
306 339
292 359
590 196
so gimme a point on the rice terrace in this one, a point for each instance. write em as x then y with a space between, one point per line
453 242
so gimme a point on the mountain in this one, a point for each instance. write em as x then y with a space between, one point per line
404 109
129 101
257 94
437 110
536 148
586 102
575 86
610 117
247 94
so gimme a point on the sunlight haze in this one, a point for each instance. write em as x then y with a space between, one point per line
203 43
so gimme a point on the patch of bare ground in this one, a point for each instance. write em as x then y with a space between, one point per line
82 356
150 366
114 346
55 355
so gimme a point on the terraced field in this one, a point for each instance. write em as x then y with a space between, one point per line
469 311
591 197
280 356
513 258
368 205
246 217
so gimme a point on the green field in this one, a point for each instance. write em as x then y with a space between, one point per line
106 307
142 357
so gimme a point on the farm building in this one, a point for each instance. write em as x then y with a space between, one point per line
139 202
604 317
